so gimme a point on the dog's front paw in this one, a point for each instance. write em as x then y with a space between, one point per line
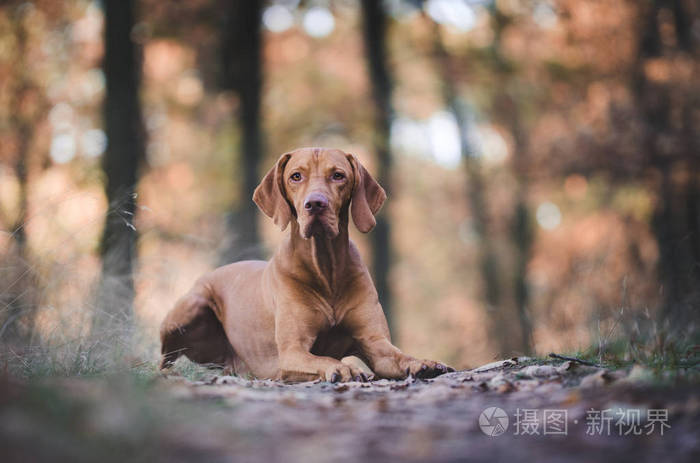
424 368
342 372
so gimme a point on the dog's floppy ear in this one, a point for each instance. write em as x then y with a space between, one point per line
367 196
270 196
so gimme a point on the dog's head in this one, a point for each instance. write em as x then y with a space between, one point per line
313 186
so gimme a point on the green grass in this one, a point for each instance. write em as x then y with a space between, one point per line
93 356
669 359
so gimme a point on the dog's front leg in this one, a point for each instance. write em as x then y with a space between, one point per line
295 333
369 328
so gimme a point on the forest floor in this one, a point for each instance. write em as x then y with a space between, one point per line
550 410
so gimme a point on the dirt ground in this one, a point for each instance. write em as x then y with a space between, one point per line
550 411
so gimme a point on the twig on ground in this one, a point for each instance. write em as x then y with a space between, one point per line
573 359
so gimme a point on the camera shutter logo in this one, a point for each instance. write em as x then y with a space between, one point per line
493 421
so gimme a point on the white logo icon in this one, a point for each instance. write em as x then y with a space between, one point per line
493 421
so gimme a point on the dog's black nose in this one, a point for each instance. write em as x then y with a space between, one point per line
315 203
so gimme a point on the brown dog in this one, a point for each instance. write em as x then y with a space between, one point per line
313 303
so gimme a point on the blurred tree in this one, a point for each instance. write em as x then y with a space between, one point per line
124 153
510 326
22 124
672 148
374 31
27 107
507 111
242 73
488 261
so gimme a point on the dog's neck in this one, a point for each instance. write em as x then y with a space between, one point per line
323 257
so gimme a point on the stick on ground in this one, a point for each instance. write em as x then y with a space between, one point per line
573 359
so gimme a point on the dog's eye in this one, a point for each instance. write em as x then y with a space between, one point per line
295 177
338 176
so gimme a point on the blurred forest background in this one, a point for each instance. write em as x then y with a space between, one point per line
542 159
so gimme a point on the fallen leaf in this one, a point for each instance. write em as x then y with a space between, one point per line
495 365
598 379
505 387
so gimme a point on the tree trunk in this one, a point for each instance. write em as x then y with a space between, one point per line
508 113
374 30
22 125
511 338
17 277
521 233
488 262
125 151
242 73
676 215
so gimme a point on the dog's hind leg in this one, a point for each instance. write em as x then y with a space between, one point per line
192 329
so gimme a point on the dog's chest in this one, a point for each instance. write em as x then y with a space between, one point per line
332 314
334 310
334 342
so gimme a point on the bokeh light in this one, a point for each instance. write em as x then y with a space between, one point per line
278 18
318 22
548 215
